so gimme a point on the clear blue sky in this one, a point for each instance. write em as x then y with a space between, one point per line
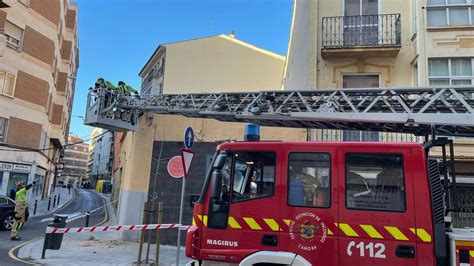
116 37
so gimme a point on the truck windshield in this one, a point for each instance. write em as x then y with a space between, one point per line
254 175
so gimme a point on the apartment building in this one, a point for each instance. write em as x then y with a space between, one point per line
38 67
382 43
210 64
75 161
101 155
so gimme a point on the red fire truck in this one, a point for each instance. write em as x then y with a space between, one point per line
326 203
314 203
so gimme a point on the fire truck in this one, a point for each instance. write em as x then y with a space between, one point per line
322 203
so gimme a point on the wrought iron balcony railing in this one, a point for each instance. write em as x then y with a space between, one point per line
362 31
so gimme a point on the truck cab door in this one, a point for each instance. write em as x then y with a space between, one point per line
309 207
376 212
242 215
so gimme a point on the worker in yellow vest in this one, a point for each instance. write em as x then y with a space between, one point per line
20 209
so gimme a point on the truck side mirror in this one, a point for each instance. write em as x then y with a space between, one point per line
216 183
220 161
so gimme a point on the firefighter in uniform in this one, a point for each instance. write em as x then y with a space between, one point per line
20 209
126 88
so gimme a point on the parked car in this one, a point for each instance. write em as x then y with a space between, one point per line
7 211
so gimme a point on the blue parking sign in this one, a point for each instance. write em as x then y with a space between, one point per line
188 138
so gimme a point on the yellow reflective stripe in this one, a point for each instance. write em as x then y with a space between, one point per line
330 232
252 223
422 234
464 243
371 231
287 222
272 224
471 252
204 220
233 223
396 233
194 222
347 229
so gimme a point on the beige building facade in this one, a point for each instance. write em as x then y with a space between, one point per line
212 64
382 43
38 67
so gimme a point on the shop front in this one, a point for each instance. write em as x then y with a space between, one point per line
11 173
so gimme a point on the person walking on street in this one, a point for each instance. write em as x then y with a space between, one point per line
20 209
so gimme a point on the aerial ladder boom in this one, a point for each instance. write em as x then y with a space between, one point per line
445 111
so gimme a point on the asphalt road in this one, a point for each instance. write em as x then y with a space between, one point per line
85 200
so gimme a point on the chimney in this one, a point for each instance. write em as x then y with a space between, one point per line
231 34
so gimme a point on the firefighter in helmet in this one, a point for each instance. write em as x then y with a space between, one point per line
127 89
20 208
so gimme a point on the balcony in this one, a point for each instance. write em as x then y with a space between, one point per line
154 74
361 36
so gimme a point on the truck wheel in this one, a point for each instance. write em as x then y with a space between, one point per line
6 222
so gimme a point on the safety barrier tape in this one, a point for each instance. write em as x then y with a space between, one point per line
103 206
77 217
108 228
74 218
350 230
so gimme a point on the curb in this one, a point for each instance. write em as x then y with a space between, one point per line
58 208
11 252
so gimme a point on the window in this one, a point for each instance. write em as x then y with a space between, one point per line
309 180
13 35
3 129
254 175
361 28
360 81
360 7
37 188
7 83
450 71
375 182
415 74
442 13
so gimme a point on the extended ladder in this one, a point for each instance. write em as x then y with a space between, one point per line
435 110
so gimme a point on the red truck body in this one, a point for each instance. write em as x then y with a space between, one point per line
317 203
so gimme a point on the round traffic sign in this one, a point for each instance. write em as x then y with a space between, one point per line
175 167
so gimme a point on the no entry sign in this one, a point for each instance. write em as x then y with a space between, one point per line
175 167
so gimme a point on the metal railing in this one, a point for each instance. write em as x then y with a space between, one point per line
154 74
368 30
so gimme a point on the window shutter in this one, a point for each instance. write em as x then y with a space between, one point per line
9 87
13 30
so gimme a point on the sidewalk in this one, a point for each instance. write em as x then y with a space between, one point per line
101 249
42 206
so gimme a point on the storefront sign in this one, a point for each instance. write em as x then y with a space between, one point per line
6 166
20 168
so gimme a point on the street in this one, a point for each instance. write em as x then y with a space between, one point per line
85 200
